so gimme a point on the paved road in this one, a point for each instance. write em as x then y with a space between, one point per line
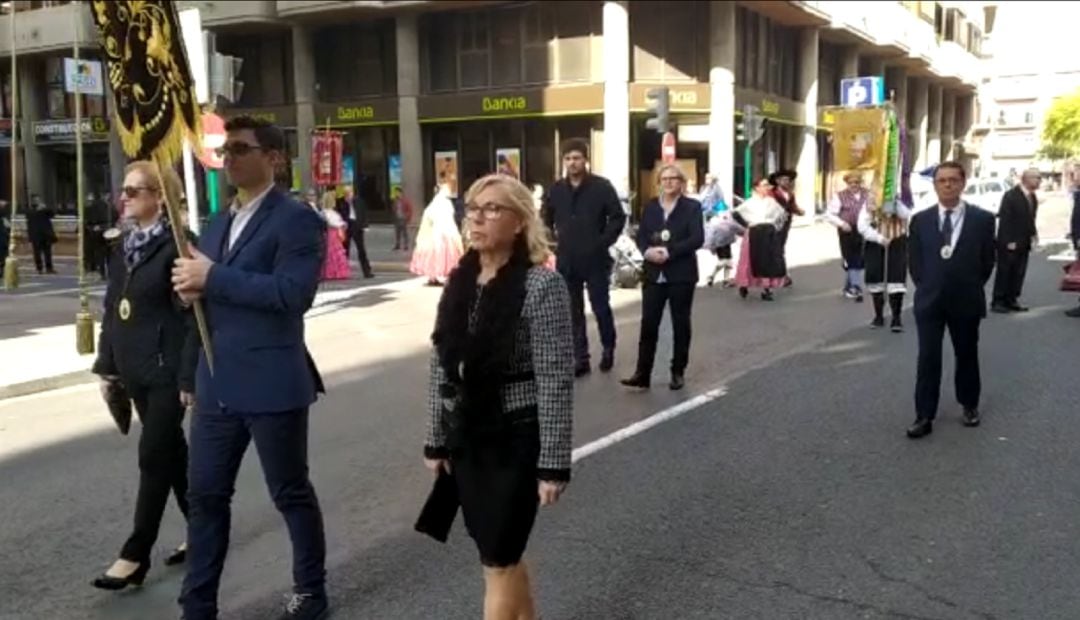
793 495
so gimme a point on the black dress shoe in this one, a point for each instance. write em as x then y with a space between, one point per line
767 295
999 309
744 292
877 323
971 417
607 361
582 369
1074 313
306 607
921 428
678 382
107 582
897 326
638 381
1018 308
178 556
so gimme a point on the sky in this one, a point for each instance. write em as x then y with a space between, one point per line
1030 37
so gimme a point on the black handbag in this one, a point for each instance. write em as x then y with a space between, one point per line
437 516
119 403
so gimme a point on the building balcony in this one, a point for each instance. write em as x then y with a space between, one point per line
218 13
49 29
302 8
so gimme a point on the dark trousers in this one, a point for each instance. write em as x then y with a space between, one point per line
218 442
163 458
401 235
964 332
95 253
1009 280
680 298
42 255
356 235
598 284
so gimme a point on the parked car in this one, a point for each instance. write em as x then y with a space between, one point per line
985 193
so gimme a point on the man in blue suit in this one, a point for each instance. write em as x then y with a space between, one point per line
951 252
256 269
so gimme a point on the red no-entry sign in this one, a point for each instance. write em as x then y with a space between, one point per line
667 148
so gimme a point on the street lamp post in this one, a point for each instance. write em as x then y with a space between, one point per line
84 321
11 265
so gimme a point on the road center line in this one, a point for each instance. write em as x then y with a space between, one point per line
643 425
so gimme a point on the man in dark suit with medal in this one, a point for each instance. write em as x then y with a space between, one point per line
951 257
257 270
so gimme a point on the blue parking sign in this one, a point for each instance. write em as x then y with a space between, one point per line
862 91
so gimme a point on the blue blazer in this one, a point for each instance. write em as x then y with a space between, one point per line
256 296
686 227
957 286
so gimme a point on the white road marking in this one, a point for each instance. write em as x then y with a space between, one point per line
61 291
643 425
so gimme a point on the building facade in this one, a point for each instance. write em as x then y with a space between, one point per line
424 91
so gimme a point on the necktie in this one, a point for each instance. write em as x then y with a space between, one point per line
946 228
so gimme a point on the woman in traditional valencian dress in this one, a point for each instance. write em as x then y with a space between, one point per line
761 262
438 246
335 265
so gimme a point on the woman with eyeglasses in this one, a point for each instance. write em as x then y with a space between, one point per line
502 387
761 258
438 246
147 354
671 231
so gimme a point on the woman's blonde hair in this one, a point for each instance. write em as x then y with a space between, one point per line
174 187
671 168
329 201
518 199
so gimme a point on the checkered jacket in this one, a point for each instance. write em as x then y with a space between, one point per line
544 347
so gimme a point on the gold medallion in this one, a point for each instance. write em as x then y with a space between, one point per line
124 309
665 235
946 252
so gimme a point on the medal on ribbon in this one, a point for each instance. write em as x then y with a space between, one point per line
124 309
946 252
665 235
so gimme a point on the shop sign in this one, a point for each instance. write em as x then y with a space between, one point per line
374 112
682 97
94 129
770 106
83 76
282 116
554 101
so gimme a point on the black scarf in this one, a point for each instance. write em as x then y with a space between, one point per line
475 338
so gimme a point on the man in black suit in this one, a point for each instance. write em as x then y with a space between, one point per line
1016 237
354 212
951 258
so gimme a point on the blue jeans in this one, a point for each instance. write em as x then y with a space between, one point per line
598 283
218 442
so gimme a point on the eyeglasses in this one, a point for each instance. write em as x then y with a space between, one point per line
669 179
488 211
131 191
236 149
950 181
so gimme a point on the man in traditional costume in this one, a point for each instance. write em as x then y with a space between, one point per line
843 212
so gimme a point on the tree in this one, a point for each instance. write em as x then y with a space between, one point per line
1061 131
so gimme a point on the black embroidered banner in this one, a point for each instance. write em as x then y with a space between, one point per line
150 77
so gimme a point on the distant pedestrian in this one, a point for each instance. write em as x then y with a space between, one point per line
5 231
1017 235
257 269
403 215
712 197
147 354
886 251
670 233
721 232
39 229
438 246
952 257
783 182
501 390
335 263
761 264
1074 234
95 251
586 217
843 212
353 210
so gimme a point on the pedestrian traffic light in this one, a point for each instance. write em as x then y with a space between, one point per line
740 129
753 124
223 73
659 103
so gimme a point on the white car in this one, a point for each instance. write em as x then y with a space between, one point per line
985 193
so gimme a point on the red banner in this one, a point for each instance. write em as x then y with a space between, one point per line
326 150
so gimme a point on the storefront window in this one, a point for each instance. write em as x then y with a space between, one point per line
267 68
441 43
574 43
356 60
506 47
473 41
670 40
539 45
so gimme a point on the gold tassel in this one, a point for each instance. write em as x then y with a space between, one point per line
84 333
11 273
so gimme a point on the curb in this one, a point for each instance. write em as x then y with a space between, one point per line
389 267
46 384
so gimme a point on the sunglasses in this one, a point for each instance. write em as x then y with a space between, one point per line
236 149
132 191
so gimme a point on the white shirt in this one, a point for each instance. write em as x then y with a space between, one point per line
243 214
832 210
866 228
957 221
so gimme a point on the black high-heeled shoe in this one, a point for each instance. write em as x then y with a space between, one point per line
178 556
135 579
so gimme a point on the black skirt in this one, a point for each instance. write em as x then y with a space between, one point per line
723 252
766 252
851 250
896 262
498 490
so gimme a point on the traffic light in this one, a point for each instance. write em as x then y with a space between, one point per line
740 129
659 103
752 125
223 73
